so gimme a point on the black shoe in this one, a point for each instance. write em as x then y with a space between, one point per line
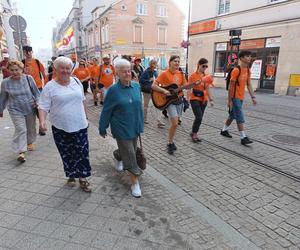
246 141
165 113
96 103
173 146
170 148
101 103
42 133
226 134
179 122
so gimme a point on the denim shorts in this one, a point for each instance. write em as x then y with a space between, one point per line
236 113
175 110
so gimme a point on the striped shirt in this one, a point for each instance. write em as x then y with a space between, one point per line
17 96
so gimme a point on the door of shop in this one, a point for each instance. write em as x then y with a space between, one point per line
269 69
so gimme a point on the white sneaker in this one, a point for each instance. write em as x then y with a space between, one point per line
119 166
136 190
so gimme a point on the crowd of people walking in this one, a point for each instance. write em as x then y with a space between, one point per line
124 89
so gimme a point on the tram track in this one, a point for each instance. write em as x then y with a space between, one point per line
295 152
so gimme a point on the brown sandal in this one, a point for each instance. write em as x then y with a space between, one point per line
84 185
71 182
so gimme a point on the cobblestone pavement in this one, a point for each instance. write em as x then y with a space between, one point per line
203 197
259 203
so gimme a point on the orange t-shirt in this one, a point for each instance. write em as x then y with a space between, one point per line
106 77
93 72
204 86
166 78
31 68
81 73
242 82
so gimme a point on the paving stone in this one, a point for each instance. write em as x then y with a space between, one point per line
46 228
11 238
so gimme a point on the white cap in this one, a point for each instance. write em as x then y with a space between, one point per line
105 56
5 55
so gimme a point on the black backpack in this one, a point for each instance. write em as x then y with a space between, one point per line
229 75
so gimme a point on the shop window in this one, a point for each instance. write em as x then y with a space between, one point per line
220 63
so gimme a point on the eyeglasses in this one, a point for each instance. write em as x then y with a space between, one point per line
204 66
81 64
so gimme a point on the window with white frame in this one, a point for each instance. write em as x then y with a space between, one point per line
97 37
162 35
223 7
162 11
138 34
106 33
141 9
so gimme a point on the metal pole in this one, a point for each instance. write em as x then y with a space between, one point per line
188 41
20 38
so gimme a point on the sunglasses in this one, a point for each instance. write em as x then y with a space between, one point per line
204 66
82 64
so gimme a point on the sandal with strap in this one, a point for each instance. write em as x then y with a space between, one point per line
71 182
195 138
84 185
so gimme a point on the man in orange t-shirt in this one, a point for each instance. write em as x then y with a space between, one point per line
239 79
105 77
94 74
34 68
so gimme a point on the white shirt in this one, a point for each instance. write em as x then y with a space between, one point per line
65 104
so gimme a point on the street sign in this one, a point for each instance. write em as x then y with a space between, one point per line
17 35
17 23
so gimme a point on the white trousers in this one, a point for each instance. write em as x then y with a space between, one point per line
25 131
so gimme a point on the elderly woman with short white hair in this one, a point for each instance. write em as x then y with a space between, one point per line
63 98
123 111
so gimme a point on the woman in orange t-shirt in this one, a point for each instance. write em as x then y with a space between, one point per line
83 74
200 95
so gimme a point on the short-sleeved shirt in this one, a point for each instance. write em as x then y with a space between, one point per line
81 73
166 78
204 86
34 68
106 76
65 105
239 91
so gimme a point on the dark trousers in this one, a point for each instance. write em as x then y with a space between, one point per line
198 110
74 151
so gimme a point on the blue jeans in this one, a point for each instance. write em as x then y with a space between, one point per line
236 113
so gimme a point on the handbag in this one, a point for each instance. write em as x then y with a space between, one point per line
35 106
140 157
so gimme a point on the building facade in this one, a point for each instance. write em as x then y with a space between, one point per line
270 29
139 28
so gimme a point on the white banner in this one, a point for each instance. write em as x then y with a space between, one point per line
256 69
273 42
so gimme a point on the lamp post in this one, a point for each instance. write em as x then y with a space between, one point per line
188 41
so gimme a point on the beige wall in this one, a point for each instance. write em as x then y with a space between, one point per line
121 29
289 55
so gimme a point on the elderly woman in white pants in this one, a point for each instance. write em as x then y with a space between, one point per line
19 94
63 98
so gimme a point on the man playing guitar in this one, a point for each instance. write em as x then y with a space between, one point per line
168 77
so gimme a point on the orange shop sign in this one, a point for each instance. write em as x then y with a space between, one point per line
252 44
202 27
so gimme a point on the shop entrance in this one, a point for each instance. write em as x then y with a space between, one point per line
269 69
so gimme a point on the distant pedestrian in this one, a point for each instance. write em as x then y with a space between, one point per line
64 100
146 80
35 68
200 95
83 74
123 111
75 63
4 66
137 67
239 79
105 77
19 94
51 69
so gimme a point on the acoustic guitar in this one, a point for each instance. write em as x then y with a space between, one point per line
162 101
